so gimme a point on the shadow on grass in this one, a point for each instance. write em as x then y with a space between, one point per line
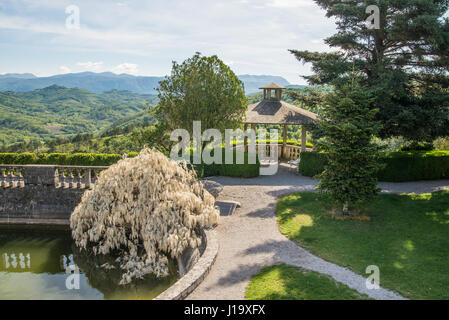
407 238
285 282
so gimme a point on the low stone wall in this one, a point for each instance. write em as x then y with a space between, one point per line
48 194
42 194
189 281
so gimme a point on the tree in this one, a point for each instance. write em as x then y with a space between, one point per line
349 125
201 89
404 63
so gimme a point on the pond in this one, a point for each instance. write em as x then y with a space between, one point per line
45 264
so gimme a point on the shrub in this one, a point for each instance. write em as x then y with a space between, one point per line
67 159
312 163
280 141
244 170
416 146
416 165
399 166
98 159
147 209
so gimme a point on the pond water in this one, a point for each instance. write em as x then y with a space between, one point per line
45 264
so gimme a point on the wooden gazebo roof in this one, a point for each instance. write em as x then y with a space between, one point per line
276 111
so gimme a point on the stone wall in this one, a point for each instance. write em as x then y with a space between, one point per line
42 194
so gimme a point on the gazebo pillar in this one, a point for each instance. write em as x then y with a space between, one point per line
245 139
303 138
284 143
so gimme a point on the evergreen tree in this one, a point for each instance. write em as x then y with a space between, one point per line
405 62
349 125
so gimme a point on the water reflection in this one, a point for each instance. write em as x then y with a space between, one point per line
38 265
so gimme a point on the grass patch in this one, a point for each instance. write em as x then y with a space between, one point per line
407 238
285 282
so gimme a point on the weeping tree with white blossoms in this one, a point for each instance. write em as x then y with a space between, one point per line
143 210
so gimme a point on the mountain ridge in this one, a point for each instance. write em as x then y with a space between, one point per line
105 81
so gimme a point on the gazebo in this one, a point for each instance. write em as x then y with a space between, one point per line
272 110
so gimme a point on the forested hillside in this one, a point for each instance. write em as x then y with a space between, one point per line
124 134
59 111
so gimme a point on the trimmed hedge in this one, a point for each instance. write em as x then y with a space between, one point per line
98 159
65 159
415 165
399 166
244 170
280 141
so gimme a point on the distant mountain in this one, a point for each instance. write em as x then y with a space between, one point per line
100 82
95 82
55 111
253 83
18 75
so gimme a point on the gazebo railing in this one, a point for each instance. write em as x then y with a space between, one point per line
291 152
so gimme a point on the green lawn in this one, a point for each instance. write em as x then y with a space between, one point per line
407 238
285 282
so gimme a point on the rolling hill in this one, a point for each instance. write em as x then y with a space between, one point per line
55 111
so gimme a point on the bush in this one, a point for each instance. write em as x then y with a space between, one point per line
416 165
280 141
245 170
416 146
98 159
142 211
312 163
399 166
67 159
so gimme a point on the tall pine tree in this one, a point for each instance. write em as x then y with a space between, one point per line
348 126
404 63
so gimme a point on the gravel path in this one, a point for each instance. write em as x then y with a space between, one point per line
250 238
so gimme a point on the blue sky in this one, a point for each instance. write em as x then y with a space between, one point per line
144 37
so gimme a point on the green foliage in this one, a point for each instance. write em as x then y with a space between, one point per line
416 146
441 143
312 163
77 159
60 112
352 158
415 165
285 282
404 62
397 166
245 170
407 238
201 89
268 141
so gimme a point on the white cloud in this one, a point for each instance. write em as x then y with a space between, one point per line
129 68
64 69
251 35
289 3
90 66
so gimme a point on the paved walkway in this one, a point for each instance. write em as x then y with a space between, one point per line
250 238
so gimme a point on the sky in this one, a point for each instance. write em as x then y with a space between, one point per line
144 37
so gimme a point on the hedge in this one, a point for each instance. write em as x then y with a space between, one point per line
97 159
244 170
67 159
399 166
415 165
280 141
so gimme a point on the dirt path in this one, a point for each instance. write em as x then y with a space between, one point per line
250 238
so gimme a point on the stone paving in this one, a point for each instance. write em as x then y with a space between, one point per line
250 239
